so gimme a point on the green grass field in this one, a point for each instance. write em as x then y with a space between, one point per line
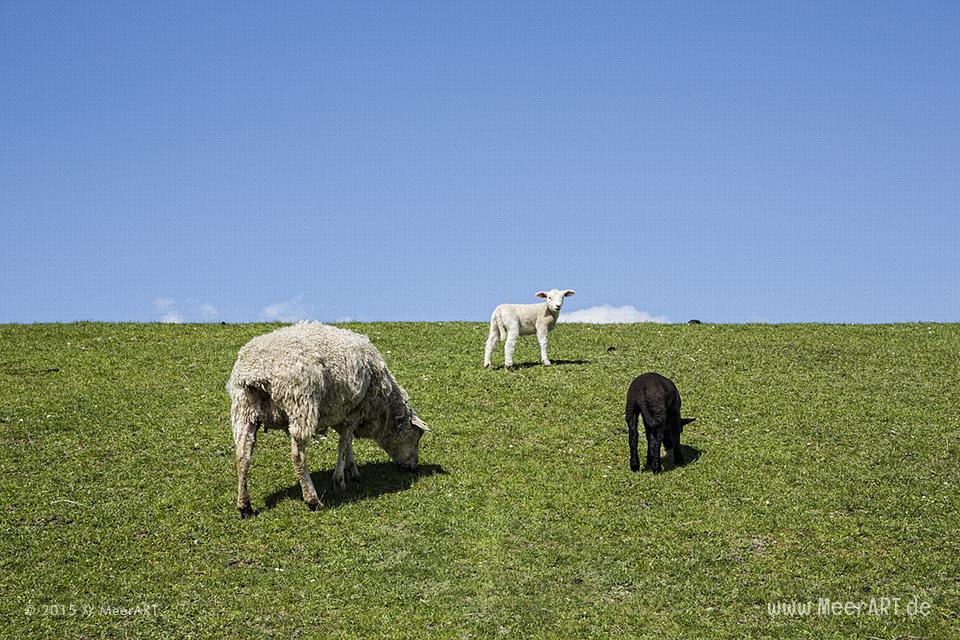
825 465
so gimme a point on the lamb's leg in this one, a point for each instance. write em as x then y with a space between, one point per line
298 455
345 444
509 346
492 339
654 440
245 443
542 339
675 442
632 420
649 436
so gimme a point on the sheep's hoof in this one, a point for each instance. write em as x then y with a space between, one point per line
353 474
340 483
246 512
547 363
315 506
634 466
488 366
509 367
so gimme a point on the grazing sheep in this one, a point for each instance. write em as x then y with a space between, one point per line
655 399
307 377
511 320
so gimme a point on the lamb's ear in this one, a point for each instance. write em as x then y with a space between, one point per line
541 294
684 421
568 292
420 424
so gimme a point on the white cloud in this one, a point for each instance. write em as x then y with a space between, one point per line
607 314
289 311
162 304
209 312
167 308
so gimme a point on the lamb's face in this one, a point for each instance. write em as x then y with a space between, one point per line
555 298
402 442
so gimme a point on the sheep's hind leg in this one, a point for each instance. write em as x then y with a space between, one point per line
633 438
298 455
492 339
508 346
245 445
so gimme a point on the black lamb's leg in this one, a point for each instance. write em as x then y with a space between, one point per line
654 439
677 454
675 437
634 437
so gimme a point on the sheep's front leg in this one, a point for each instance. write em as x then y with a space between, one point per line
654 440
343 449
245 444
542 339
675 443
298 455
353 471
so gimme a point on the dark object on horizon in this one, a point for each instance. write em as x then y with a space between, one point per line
656 400
694 321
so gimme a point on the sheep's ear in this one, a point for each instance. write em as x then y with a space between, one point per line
568 292
420 424
684 421
541 294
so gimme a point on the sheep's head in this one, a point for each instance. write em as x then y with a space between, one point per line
555 298
402 442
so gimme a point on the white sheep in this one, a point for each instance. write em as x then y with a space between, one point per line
307 377
511 320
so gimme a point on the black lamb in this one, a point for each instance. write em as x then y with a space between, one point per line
655 399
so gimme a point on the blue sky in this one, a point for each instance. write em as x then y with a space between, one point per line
726 161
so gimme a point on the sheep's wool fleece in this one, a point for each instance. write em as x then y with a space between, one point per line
319 376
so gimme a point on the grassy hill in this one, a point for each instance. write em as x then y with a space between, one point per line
825 465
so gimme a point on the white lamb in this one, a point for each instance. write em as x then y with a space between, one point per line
511 320
307 377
